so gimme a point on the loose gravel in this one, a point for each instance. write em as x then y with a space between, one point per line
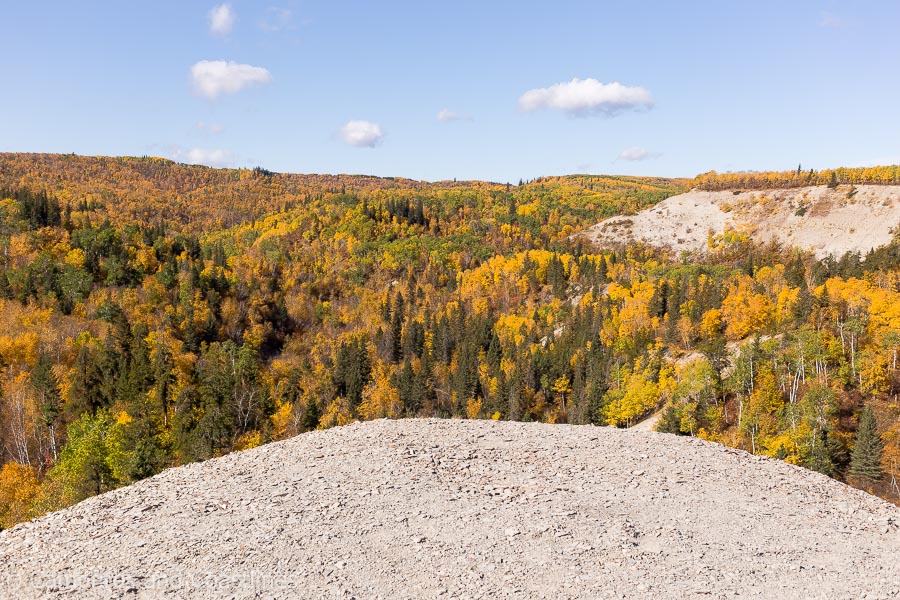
466 509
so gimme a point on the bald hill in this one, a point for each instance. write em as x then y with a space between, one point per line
422 508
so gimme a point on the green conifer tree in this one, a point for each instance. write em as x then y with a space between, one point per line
865 461
311 415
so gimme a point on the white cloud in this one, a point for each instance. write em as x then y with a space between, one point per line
445 115
582 97
212 78
210 128
221 19
636 153
201 156
275 19
830 20
362 134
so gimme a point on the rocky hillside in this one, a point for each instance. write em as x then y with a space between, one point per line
822 219
430 508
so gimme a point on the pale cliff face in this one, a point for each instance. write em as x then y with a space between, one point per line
821 219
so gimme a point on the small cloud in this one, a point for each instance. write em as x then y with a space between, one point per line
201 156
221 19
636 154
830 20
210 128
445 115
584 97
213 78
362 134
275 19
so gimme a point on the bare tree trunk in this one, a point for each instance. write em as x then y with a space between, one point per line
53 449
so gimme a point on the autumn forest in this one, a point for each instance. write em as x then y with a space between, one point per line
156 314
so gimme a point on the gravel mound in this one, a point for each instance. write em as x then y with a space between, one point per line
464 509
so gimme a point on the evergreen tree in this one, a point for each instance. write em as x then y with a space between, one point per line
820 458
406 386
865 461
311 415
396 330
46 389
670 422
86 394
556 276
163 382
353 369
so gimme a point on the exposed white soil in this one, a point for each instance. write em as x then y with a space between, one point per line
650 423
466 509
826 221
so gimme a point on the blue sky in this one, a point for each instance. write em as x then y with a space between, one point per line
320 86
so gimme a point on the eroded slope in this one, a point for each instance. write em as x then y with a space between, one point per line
825 220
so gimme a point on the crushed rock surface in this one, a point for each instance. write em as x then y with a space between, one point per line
426 508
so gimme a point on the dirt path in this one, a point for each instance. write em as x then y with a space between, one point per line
465 509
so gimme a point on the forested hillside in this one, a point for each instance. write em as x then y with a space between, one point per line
763 180
156 314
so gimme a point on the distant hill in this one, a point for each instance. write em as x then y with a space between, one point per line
147 189
194 198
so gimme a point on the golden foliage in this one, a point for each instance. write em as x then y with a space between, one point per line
18 488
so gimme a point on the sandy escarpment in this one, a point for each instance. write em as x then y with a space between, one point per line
821 219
